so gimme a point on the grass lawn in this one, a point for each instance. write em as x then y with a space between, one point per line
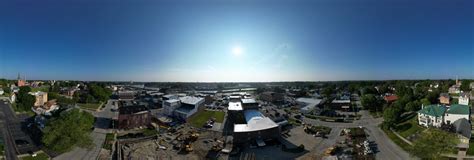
109 138
470 151
201 117
396 140
408 127
89 106
39 156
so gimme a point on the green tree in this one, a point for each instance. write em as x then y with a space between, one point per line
327 91
25 100
390 116
425 101
465 86
412 106
434 142
371 103
7 90
70 129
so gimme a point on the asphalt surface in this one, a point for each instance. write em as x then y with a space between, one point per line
7 117
387 149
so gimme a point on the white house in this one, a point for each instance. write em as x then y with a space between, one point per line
435 115
464 98
1 91
431 115
456 112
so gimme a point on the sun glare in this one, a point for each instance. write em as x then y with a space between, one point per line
237 50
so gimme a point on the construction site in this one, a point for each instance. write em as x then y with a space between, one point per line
176 143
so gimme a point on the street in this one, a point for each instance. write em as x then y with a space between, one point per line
7 116
387 149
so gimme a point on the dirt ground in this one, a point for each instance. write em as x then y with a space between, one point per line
150 149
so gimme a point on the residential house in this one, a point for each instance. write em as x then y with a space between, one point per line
46 109
390 98
41 98
444 98
456 88
456 112
431 115
1 91
464 98
435 115
463 128
14 89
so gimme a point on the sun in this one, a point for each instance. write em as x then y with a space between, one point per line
237 50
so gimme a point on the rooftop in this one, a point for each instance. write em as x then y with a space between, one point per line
191 100
256 121
433 110
458 109
38 93
310 103
390 98
341 101
235 106
248 100
134 109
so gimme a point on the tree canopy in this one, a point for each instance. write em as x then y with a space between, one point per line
371 102
70 129
25 101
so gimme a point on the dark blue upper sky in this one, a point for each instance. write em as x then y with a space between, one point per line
237 40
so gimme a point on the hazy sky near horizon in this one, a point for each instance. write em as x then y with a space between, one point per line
197 41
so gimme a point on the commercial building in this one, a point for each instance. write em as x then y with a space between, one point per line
133 116
341 104
181 107
248 124
257 128
41 98
126 95
189 106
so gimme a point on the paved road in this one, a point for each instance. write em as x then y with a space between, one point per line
98 136
388 149
7 116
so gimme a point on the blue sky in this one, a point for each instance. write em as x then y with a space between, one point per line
194 41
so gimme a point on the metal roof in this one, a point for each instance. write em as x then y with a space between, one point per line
256 121
458 109
433 110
